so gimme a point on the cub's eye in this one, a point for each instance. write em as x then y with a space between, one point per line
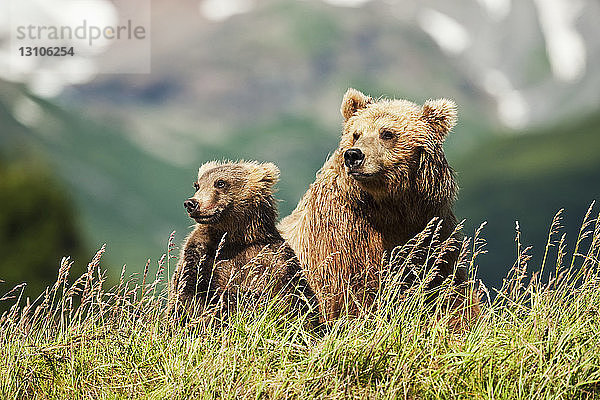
220 183
356 135
196 186
386 135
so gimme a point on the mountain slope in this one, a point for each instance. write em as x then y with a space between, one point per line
125 196
132 199
528 178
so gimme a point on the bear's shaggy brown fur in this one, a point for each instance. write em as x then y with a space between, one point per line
235 249
387 179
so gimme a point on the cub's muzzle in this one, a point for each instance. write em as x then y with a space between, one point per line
190 205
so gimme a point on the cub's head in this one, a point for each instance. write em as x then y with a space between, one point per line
389 146
232 191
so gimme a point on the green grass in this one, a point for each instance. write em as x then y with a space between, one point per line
537 338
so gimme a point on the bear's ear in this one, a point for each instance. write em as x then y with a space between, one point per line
268 173
354 101
441 115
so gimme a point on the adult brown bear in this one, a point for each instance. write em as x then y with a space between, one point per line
383 185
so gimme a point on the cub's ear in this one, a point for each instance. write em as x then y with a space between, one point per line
268 173
441 115
352 102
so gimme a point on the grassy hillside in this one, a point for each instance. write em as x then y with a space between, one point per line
535 340
527 178
37 228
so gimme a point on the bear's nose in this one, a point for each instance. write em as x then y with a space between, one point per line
353 158
191 205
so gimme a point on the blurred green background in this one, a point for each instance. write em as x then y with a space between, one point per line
110 158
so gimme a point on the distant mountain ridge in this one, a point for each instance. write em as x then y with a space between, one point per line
299 56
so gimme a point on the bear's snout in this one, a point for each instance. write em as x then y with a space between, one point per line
353 158
191 205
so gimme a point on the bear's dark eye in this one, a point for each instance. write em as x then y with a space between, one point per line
386 135
356 135
220 183
196 186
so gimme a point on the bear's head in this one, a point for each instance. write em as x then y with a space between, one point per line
228 193
390 147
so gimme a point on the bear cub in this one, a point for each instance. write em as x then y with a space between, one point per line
235 250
